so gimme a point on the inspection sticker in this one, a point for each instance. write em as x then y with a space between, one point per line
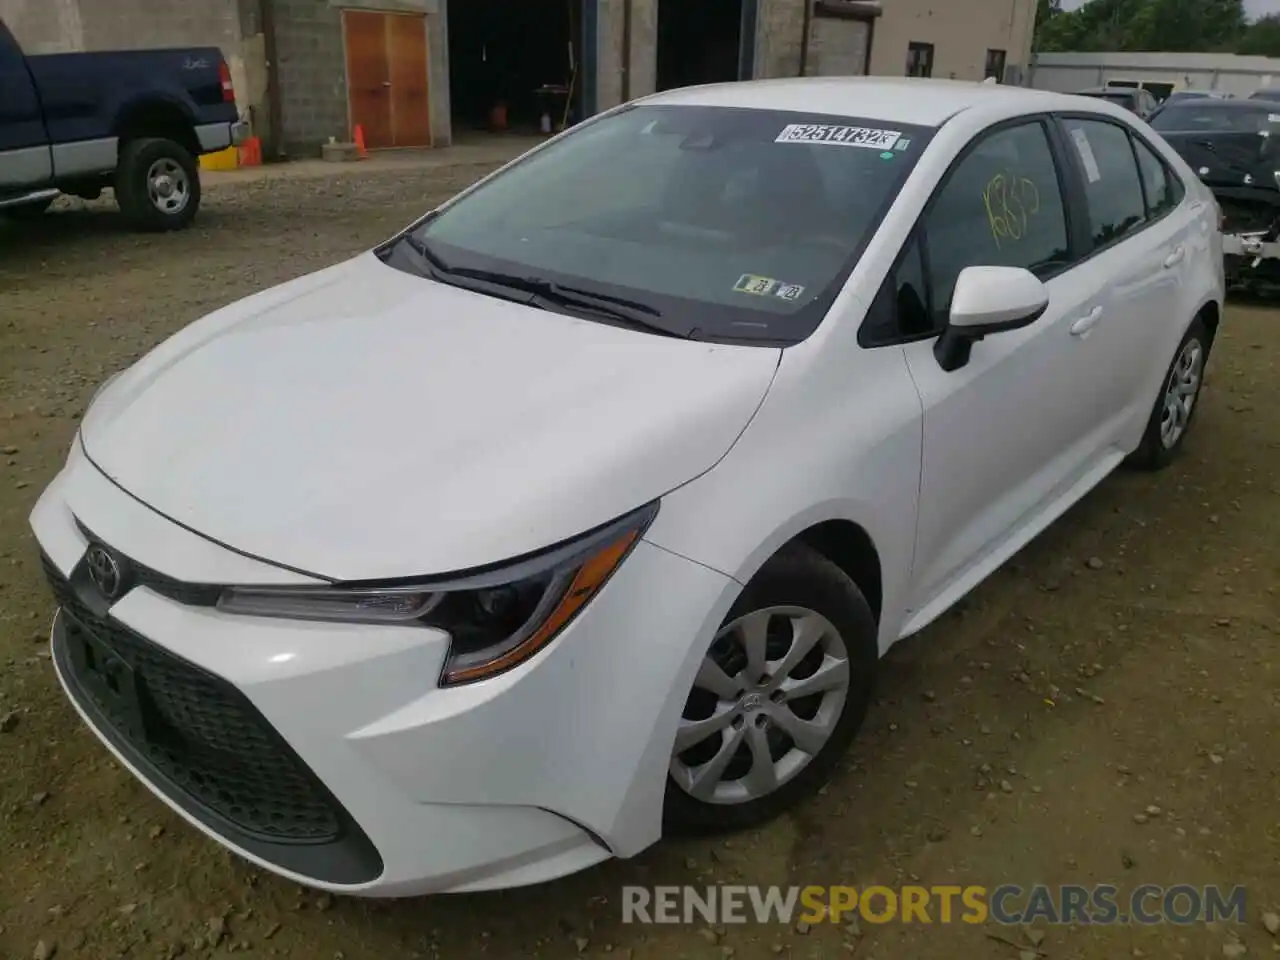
839 136
768 287
758 286
1085 149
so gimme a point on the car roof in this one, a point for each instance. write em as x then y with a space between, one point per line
908 100
1220 103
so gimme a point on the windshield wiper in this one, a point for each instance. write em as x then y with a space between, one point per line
630 313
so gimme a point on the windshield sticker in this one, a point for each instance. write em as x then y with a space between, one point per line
1273 118
902 144
759 286
839 136
1011 202
1085 150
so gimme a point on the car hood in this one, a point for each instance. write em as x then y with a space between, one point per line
1230 158
364 423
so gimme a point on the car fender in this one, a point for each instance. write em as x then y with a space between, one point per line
838 438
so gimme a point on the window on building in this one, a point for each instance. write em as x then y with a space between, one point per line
995 65
920 60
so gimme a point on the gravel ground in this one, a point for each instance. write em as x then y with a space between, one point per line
1127 660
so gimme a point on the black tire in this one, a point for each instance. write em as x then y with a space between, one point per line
1154 452
137 158
797 577
28 211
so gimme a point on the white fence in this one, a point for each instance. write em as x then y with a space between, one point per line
1068 72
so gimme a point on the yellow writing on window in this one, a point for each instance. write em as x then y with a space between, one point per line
1011 201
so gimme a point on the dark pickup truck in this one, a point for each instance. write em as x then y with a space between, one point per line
134 121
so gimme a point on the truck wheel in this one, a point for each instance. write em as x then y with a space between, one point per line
157 184
27 211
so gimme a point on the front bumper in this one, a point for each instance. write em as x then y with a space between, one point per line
386 786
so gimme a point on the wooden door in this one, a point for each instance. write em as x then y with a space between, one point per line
407 53
369 76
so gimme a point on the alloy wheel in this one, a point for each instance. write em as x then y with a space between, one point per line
766 700
1181 393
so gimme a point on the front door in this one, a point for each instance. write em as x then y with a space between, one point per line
387 88
1006 434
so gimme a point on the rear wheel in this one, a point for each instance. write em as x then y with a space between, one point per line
1176 406
777 700
157 184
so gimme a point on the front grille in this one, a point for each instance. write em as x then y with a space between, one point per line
197 731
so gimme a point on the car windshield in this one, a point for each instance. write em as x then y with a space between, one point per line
726 224
1208 116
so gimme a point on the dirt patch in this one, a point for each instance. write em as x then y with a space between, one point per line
1128 659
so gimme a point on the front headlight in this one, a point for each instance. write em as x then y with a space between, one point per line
496 618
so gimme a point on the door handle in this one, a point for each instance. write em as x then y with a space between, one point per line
1086 323
1175 258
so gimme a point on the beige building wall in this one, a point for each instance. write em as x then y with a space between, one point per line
961 32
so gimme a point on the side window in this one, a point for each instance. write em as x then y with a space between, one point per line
901 308
1162 187
1112 186
1000 206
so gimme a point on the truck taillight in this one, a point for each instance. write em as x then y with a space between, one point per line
228 88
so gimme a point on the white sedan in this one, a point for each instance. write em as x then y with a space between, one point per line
582 510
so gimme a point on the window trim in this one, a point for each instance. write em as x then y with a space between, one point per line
1081 180
919 231
1136 139
915 238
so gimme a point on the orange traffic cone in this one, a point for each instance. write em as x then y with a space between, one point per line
361 150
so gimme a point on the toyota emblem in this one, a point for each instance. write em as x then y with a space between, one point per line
104 571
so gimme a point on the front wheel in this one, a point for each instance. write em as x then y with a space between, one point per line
1178 401
157 184
777 700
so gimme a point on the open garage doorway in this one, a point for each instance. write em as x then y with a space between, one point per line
515 65
698 42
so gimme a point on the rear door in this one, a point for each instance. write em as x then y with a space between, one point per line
1139 242
24 144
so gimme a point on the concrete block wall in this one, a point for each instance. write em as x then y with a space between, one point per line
779 38
311 67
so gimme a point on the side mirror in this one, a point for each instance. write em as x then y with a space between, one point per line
988 300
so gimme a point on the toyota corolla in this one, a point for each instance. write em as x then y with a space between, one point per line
581 511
